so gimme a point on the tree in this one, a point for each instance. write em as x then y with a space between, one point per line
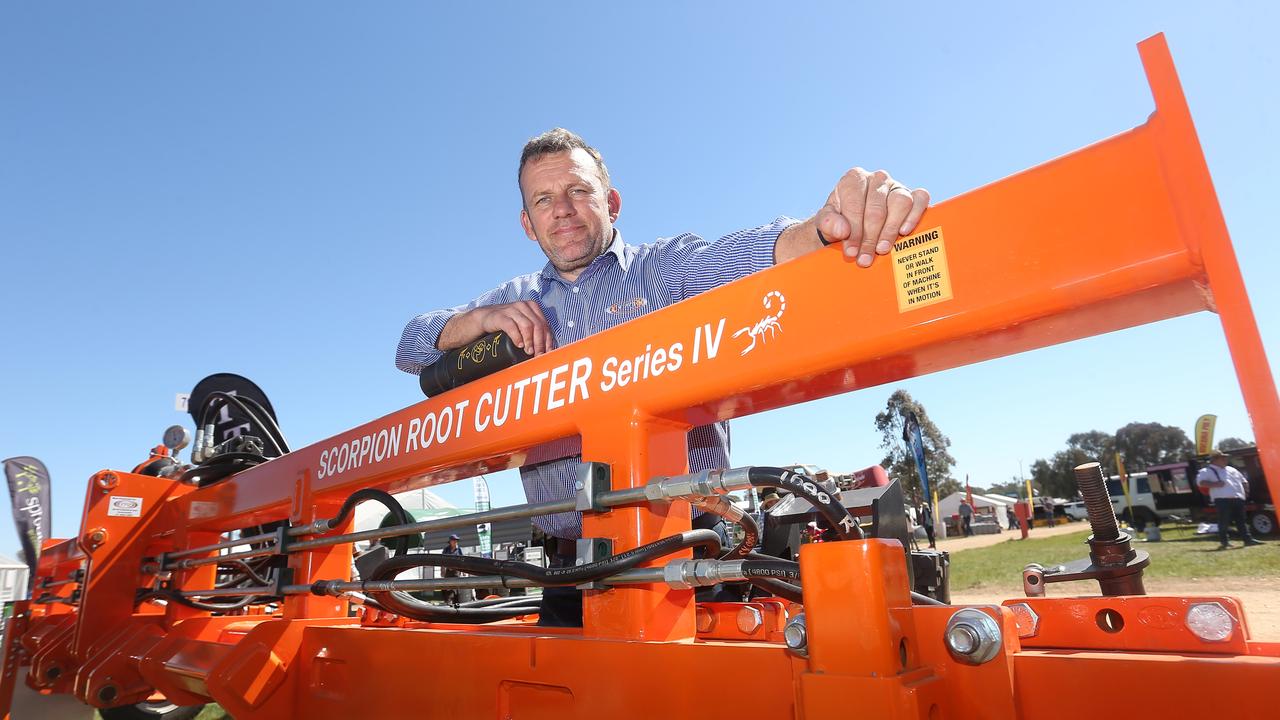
1233 443
1097 446
1142 445
1016 486
898 461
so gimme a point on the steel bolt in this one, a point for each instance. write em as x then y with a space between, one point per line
796 636
973 637
1097 501
107 480
96 537
706 620
749 620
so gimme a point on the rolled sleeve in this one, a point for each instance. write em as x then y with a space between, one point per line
417 348
691 265
419 343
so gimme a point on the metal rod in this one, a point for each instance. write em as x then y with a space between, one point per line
612 498
229 592
265 537
637 576
507 513
197 562
55 583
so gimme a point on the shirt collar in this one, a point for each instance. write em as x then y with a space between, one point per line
615 248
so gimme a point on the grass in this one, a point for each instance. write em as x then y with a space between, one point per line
1182 555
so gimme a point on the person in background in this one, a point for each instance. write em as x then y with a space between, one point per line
1049 507
1228 487
1011 517
926 519
966 518
450 595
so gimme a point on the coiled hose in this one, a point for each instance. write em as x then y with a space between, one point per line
401 544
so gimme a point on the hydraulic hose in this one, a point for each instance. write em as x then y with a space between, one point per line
181 599
837 516
400 544
274 436
721 506
404 604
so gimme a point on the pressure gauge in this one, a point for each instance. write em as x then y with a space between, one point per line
176 438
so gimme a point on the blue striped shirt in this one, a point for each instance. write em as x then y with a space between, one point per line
623 283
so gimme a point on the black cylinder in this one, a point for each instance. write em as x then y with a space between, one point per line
472 361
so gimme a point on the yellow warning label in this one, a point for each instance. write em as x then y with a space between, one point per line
920 271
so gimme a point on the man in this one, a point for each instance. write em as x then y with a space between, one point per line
451 596
926 519
1049 508
966 518
569 209
1228 488
1011 517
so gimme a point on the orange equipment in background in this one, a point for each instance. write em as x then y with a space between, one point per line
1071 258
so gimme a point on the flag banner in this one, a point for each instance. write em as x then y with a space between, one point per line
911 434
1204 434
29 495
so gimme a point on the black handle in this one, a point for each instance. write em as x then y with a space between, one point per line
472 361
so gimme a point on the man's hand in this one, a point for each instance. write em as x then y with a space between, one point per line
868 211
522 321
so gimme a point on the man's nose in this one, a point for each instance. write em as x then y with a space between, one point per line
563 207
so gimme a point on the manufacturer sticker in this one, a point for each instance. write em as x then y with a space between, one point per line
920 273
121 506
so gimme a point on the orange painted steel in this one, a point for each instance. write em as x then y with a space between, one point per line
1069 258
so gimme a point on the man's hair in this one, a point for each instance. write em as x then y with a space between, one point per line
558 140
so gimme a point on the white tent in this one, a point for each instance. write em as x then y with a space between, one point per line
13 579
950 505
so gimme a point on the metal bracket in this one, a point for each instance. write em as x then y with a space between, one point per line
591 550
593 479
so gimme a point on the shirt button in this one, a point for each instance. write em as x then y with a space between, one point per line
576 289
570 323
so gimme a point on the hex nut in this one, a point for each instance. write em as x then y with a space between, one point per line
749 620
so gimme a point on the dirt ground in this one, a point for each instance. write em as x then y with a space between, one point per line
1260 596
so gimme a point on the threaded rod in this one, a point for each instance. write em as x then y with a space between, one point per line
1097 501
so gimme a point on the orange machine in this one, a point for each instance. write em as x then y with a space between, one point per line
1073 258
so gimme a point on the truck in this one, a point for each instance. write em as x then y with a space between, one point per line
1169 492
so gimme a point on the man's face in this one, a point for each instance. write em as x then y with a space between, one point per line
1219 461
567 209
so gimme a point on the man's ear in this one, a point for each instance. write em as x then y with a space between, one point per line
527 224
615 204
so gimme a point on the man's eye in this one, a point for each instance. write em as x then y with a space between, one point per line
542 200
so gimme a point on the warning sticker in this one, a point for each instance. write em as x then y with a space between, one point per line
920 271
122 506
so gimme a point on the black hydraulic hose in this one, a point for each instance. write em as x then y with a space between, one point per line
772 569
837 516
268 422
247 572
789 591
400 544
781 588
404 604
221 466
239 403
575 575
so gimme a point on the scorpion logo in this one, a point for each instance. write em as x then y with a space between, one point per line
771 323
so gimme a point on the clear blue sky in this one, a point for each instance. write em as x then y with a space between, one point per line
273 189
